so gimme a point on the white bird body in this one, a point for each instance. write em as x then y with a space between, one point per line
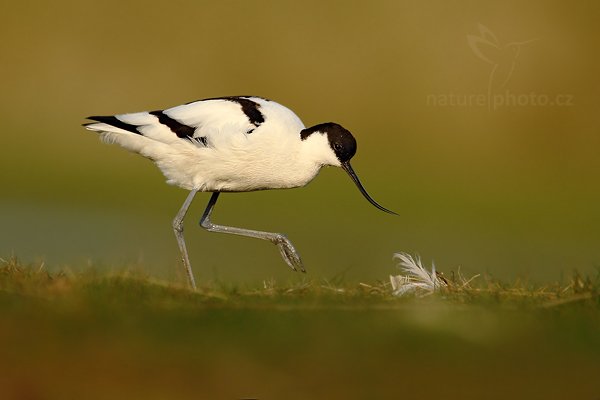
234 155
232 144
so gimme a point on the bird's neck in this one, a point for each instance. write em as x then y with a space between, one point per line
315 149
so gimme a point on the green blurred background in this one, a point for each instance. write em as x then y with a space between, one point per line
511 191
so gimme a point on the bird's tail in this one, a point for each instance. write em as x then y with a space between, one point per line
127 131
143 133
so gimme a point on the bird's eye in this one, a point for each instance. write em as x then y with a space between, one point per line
337 146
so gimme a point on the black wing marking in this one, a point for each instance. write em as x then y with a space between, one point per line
117 123
203 140
181 130
250 108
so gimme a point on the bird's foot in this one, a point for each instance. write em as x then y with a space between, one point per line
289 253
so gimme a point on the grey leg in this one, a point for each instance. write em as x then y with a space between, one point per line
178 228
286 248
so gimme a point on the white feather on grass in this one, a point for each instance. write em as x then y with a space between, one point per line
416 279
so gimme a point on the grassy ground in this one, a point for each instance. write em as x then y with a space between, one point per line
94 336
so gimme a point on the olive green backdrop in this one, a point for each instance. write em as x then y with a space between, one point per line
486 146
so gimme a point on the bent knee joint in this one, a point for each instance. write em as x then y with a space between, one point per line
178 225
279 238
